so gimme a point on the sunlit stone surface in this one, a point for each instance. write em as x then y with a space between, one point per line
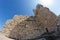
28 27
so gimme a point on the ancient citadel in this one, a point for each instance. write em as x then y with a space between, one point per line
27 27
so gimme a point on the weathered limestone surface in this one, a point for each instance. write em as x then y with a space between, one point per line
45 16
27 27
23 27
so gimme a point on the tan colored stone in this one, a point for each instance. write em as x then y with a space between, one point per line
45 16
27 27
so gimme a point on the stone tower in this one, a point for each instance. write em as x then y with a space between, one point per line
45 16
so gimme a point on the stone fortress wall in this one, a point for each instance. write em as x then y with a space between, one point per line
27 27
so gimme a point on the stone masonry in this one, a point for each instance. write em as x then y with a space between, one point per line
27 27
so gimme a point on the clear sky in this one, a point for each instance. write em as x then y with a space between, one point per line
9 8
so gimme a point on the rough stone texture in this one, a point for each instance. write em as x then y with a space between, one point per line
27 27
45 16
23 27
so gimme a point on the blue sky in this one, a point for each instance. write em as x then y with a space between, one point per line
9 8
